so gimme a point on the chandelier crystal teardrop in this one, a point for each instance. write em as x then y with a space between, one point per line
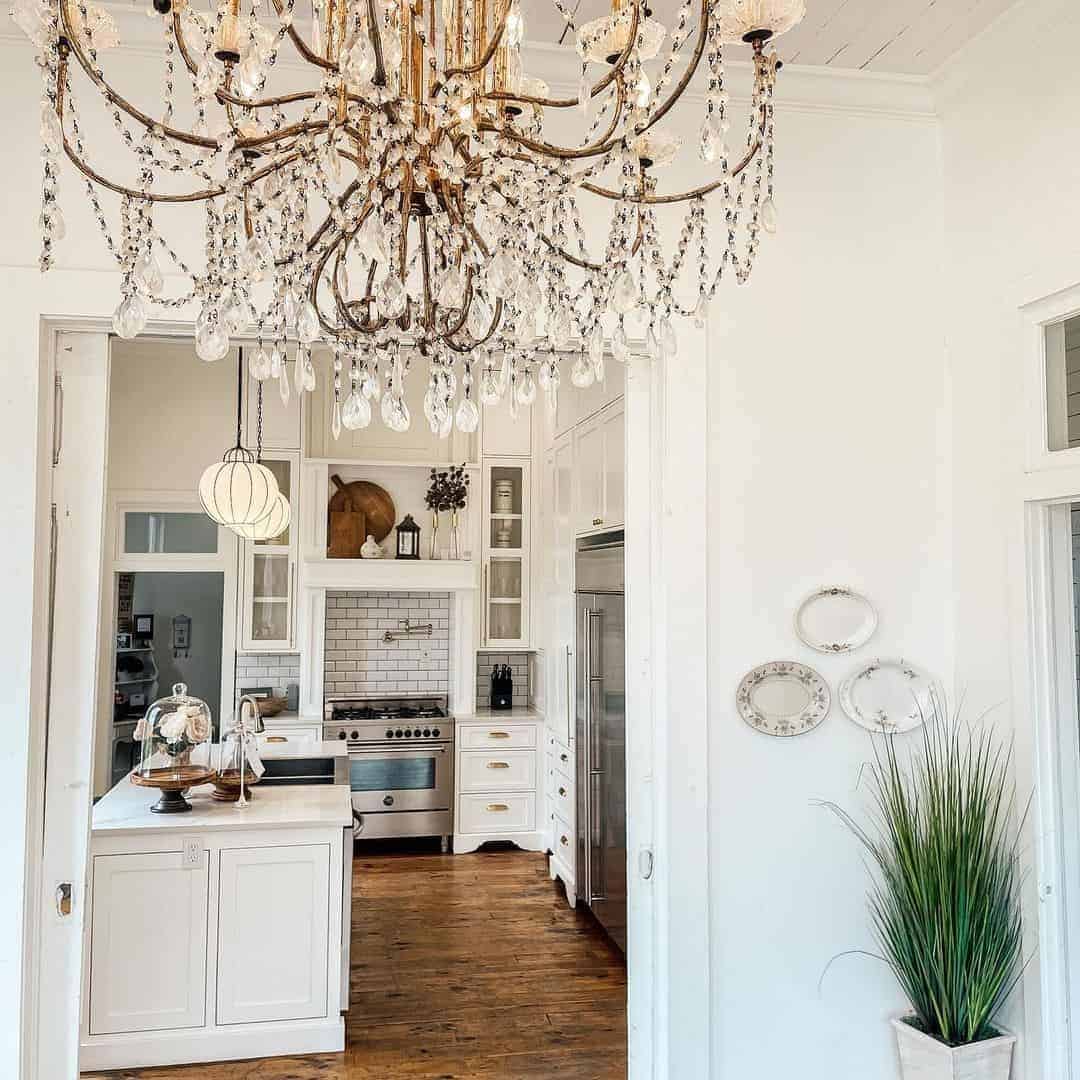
402 203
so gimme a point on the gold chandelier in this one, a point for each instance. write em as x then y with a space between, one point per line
405 199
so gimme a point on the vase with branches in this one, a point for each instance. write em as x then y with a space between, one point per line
448 489
944 902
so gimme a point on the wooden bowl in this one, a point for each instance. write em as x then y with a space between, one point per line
271 706
227 784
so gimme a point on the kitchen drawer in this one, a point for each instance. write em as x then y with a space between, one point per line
488 770
562 797
562 842
295 733
503 736
496 813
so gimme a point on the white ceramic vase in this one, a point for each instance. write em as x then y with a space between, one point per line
924 1058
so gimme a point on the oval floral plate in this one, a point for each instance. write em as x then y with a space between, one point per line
783 698
888 695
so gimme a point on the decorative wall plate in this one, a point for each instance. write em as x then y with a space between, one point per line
835 620
783 698
887 695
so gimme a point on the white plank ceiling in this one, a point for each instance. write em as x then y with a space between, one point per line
911 37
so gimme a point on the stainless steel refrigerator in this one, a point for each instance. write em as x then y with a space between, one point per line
601 731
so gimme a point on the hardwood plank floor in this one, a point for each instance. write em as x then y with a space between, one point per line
464 967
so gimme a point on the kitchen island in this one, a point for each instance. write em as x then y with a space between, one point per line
217 934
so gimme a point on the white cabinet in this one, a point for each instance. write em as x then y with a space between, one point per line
282 425
559 590
599 462
574 406
560 807
272 941
148 943
269 568
505 544
498 784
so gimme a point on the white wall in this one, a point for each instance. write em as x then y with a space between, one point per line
804 485
1011 175
828 464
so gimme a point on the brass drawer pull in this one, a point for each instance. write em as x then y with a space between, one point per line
562 792
498 764
564 757
276 738
598 521
564 841
498 734
497 807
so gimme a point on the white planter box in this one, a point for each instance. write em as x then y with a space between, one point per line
924 1058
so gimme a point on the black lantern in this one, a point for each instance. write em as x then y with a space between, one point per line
408 539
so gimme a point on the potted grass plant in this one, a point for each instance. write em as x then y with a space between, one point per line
945 896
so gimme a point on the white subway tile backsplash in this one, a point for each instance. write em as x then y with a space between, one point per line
519 669
266 669
358 661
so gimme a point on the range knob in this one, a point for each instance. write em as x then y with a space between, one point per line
341 734
398 733
389 733
417 733
435 732
355 736
427 733
408 734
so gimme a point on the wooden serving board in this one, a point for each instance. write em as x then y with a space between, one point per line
368 499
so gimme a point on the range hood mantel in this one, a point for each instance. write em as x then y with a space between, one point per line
441 575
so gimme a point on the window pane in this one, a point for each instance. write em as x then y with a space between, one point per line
153 532
1063 384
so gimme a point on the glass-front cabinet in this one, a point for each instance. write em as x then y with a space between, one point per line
268 600
506 553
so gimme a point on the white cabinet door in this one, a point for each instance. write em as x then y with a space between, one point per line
272 933
612 426
561 597
148 943
267 609
506 528
502 435
589 467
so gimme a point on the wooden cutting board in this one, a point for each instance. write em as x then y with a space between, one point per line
368 499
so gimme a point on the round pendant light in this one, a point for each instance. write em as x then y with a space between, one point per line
238 491
271 526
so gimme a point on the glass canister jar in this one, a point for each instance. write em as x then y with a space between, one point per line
175 748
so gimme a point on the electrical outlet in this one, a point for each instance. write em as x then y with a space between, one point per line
193 853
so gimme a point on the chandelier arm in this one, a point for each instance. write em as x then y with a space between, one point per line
301 46
226 97
479 65
605 142
70 41
663 200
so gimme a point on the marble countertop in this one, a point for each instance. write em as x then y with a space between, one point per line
126 808
506 716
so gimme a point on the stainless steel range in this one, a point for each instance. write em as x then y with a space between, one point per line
401 763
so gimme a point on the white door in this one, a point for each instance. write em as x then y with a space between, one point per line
78 521
148 943
272 933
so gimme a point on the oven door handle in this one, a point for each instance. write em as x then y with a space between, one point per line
379 751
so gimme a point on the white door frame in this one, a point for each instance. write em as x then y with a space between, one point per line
669 1003
1047 719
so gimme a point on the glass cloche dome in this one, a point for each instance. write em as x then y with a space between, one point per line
175 736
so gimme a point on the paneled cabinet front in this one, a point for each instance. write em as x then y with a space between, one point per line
506 526
148 943
600 457
273 926
269 571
